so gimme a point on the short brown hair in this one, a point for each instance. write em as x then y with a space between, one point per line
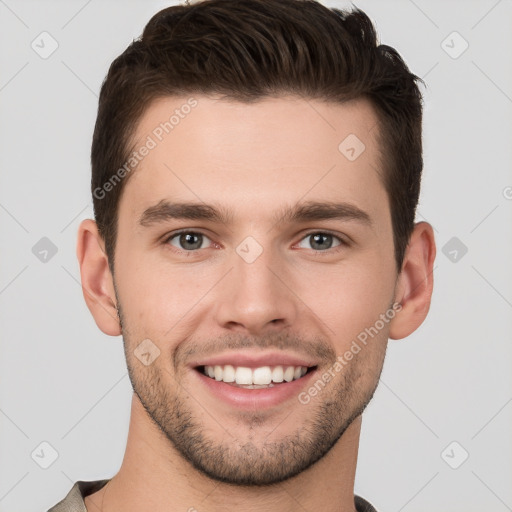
248 50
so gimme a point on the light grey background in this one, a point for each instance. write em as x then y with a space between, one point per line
65 383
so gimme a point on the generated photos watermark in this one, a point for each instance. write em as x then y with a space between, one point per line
343 359
157 135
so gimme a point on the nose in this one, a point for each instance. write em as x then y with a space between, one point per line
257 296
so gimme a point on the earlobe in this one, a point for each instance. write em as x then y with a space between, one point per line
415 282
97 281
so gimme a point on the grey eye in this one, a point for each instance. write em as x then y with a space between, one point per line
188 240
321 241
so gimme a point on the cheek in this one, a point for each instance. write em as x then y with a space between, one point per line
350 299
157 299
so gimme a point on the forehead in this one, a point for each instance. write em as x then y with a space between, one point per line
273 151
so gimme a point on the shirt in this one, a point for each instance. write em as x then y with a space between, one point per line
74 501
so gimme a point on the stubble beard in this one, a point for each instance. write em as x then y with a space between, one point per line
240 461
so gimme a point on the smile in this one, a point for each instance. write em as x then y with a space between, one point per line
254 387
254 378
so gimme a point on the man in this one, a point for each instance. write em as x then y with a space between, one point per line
255 172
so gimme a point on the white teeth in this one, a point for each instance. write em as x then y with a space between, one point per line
229 374
289 373
277 374
254 378
243 375
262 375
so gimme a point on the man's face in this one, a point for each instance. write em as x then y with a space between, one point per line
255 290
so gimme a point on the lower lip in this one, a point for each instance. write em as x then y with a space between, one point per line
247 399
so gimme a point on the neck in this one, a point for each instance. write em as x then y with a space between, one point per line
154 476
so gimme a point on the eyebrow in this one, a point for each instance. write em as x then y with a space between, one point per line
301 212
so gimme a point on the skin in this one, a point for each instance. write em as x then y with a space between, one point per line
255 160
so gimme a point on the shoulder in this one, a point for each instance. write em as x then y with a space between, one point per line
362 505
74 500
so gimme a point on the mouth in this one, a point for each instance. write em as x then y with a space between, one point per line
254 380
260 377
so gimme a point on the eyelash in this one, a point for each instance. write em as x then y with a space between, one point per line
342 242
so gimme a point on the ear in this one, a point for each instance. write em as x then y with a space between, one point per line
415 282
97 280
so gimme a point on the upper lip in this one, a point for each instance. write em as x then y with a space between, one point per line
254 359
